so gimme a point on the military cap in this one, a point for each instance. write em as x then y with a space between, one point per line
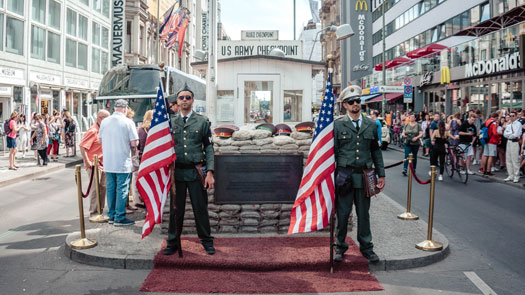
185 87
351 93
223 131
266 126
307 127
283 129
231 126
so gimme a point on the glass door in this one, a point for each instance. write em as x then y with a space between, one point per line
259 99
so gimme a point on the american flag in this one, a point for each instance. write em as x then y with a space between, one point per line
154 177
315 198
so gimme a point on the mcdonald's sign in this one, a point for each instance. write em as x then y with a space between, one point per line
361 5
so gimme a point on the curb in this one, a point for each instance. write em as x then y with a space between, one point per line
493 178
38 173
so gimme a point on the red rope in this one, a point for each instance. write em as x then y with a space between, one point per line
395 164
415 176
90 183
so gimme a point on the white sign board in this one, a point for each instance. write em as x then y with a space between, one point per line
6 90
76 83
45 78
391 89
204 31
118 32
229 49
259 35
12 76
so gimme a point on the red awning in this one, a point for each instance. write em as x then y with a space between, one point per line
397 61
379 66
426 50
509 18
390 97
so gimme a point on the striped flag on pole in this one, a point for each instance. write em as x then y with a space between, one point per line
315 198
154 176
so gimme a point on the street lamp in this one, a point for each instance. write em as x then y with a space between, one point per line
341 32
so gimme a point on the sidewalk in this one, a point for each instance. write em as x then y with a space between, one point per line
499 176
394 240
29 168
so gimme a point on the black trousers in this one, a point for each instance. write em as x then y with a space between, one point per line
438 153
199 202
43 155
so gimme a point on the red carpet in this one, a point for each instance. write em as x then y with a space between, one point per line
260 265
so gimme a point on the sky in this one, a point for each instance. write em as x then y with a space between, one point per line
237 15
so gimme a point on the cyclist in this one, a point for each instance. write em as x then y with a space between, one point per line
467 135
439 141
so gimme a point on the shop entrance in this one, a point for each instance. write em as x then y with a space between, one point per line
45 106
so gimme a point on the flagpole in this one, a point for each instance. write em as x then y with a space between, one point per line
332 217
158 33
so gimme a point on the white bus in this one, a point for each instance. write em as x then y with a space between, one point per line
138 85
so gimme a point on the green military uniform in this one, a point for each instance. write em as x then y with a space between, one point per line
356 150
192 145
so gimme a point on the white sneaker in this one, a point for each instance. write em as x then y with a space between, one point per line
462 172
508 178
474 162
429 173
440 178
516 180
494 169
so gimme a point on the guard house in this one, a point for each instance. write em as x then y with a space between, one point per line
254 87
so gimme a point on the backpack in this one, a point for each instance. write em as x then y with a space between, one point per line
7 128
484 133
71 127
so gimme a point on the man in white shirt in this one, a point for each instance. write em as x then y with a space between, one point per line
513 134
119 142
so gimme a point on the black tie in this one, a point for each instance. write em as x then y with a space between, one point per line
185 118
356 124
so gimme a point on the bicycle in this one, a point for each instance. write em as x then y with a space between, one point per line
455 161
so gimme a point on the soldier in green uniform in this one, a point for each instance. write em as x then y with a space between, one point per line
356 149
192 137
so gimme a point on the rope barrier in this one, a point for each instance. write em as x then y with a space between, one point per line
90 183
415 176
395 164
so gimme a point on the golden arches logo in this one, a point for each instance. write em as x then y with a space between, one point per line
361 5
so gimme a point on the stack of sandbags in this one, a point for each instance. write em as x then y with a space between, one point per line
250 218
270 218
229 218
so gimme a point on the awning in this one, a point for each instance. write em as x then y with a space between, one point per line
390 97
364 98
509 18
397 61
426 50
379 66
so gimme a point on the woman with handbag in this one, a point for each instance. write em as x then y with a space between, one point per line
69 134
41 139
54 125
412 133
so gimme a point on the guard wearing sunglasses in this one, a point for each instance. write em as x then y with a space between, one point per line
193 146
356 149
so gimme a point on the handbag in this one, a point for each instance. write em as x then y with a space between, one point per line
201 173
370 182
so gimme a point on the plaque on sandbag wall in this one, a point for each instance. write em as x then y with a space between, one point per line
257 179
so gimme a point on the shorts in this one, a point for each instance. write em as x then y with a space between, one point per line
490 150
468 151
11 143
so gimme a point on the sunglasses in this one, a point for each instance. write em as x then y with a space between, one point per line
351 102
187 97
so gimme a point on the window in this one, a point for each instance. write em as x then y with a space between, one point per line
16 6
95 33
292 105
82 56
85 2
38 11
95 60
54 14
258 101
14 35
1 32
37 42
105 8
82 27
105 38
128 37
71 53
97 5
71 22
485 12
104 62
53 47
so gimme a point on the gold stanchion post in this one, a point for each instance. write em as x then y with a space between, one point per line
83 242
99 218
408 215
428 244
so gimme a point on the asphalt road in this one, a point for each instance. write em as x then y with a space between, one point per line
483 222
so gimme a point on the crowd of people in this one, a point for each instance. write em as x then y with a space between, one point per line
42 133
495 143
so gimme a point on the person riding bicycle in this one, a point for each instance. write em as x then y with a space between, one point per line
439 150
467 135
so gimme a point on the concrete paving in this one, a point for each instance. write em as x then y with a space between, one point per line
394 240
29 168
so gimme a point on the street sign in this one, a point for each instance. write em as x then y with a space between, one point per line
391 89
374 89
408 94
407 81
